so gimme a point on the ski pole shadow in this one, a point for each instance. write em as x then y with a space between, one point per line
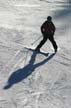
23 73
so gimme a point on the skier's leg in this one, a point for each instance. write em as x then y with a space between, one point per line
41 43
51 38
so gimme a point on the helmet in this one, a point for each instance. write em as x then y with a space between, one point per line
49 18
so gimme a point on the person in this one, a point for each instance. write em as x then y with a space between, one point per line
48 30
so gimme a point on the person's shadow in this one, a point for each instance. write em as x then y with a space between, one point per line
23 73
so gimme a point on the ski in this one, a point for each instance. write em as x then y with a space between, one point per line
37 52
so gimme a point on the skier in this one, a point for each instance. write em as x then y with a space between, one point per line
48 30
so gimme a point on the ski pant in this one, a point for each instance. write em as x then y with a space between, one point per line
45 37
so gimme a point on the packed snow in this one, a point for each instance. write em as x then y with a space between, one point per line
28 79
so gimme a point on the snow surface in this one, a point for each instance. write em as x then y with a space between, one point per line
27 79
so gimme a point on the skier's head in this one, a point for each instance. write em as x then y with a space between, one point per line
49 18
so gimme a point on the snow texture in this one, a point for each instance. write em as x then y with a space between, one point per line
28 79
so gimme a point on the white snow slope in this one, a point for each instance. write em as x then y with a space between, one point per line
29 80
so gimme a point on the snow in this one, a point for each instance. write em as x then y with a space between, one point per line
28 79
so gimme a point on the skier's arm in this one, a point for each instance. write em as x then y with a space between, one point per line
43 28
54 29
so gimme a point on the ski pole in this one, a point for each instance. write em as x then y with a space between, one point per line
36 40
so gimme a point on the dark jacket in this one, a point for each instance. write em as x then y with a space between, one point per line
48 27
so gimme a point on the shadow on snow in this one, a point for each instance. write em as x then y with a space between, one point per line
23 73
